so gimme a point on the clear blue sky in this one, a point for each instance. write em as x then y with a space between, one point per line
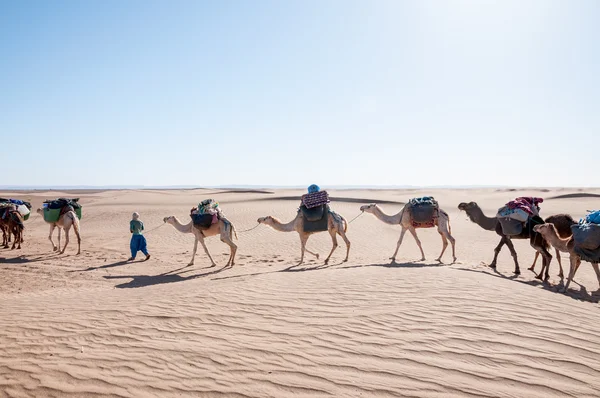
295 92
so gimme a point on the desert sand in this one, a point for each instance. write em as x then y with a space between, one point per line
92 325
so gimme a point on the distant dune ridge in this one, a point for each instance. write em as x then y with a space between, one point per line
95 326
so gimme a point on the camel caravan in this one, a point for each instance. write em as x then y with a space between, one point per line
517 219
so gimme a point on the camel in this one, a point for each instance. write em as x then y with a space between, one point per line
566 245
66 220
404 218
336 224
12 224
537 241
223 228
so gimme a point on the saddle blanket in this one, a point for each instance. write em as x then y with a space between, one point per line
315 199
528 204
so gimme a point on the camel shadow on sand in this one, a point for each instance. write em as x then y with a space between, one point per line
319 267
23 259
581 295
167 277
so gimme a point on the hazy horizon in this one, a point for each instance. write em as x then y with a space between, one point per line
338 93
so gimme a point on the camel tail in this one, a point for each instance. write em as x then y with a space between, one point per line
234 231
345 225
449 226
75 223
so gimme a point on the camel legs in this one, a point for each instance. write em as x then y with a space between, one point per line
206 251
574 260
333 234
346 241
532 268
414 234
52 227
226 238
595 265
393 258
561 274
59 233
506 241
194 251
546 259
66 240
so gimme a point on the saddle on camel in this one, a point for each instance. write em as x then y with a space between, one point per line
520 214
206 214
314 208
586 237
423 211
54 209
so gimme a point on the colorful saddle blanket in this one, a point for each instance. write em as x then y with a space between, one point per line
310 200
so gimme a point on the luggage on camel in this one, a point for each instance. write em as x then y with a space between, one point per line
23 207
516 214
423 211
315 211
593 217
206 214
53 209
586 235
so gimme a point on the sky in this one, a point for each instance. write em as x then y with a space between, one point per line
271 92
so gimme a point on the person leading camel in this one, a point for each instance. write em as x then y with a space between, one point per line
138 241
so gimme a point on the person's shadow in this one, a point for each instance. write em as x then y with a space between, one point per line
167 277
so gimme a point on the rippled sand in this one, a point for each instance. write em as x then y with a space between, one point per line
91 325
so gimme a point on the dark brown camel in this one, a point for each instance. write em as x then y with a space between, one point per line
13 223
562 222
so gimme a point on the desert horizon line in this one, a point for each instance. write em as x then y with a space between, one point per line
268 186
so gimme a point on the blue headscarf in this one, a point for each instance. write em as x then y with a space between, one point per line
313 188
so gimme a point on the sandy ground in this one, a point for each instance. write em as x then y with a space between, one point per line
91 325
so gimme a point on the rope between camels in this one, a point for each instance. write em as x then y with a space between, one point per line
247 230
360 214
154 229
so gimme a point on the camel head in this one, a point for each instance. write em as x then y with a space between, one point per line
169 219
544 229
265 220
368 208
468 206
40 212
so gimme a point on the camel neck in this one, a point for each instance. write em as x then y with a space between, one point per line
387 218
279 226
488 223
182 227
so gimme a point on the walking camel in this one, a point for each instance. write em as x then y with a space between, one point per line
224 228
66 220
336 225
404 218
562 222
566 245
12 224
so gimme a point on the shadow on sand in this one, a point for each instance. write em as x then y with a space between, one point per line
24 259
304 268
581 295
167 277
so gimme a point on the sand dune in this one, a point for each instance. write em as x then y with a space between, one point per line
92 325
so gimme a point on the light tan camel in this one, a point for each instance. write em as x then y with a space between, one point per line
65 221
404 219
567 245
223 228
336 224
